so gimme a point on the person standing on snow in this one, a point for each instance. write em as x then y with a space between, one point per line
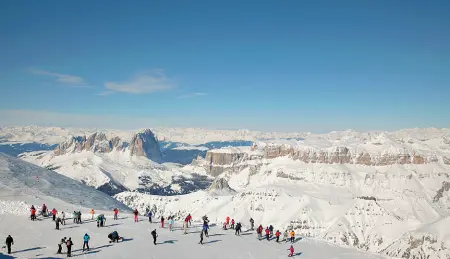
185 224
227 221
271 230
232 224
150 214
171 222
92 214
54 214
238 229
201 238
116 212
69 245
9 242
63 219
205 229
63 241
154 235
252 223
86 239
277 234
162 221
285 236
79 217
58 220
189 219
136 213
267 234
75 216
259 231
291 250
44 210
33 213
292 236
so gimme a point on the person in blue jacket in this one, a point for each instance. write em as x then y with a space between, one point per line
150 215
86 239
205 229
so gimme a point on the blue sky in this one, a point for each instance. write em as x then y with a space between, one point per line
266 65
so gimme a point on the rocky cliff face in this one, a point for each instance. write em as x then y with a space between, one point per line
218 161
343 155
142 144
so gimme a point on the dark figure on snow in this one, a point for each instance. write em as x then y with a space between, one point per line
62 242
69 245
205 229
114 237
259 231
232 224
9 242
79 217
252 223
154 235
271 230
267 234
58 221
86 239
201 238
54 214
33 212
162 221
238 229
136 214
150 215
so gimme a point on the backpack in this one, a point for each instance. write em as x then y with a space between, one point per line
68 243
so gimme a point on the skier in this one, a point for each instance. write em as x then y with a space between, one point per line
238 229
259 231
79 217
63 241
189 219
44 210
92 214
224 227
63 219
116 211
277 234
75 216
171 222
232 224
150 214
252 223
271 231
9 242
292 236
285 236
227 220
136 213
69 245
267 233
162 221
114 237
33 213
201 238
58 220
54 214
154 235
86 239
185 224
205 229
291 250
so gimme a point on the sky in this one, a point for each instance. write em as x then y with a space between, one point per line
265 65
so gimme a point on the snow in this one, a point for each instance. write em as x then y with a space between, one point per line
201 148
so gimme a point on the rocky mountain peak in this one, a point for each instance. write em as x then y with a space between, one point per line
145 144
220 185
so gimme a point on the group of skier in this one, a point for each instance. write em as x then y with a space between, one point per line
114 236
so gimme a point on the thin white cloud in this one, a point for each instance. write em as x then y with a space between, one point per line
191 95
75 81
105 93
145 83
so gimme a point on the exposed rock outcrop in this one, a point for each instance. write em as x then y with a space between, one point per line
220 186
218 161
142 144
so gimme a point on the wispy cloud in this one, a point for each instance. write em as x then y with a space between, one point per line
105 93
191 95
143 83
74 81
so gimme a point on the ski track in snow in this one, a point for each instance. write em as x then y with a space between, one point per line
39 239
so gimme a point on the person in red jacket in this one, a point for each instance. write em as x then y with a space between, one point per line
116 211
232 224
33 213
259 231
291 250
54 214
136 213
277 234
267 233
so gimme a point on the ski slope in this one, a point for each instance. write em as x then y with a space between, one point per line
39 239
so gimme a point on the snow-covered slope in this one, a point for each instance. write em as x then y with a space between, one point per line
19 180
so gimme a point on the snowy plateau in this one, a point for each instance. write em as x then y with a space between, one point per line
347 194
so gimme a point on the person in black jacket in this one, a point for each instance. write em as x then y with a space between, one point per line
154 236
69 245
9 242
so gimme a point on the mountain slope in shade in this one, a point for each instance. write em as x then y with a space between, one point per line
19 178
